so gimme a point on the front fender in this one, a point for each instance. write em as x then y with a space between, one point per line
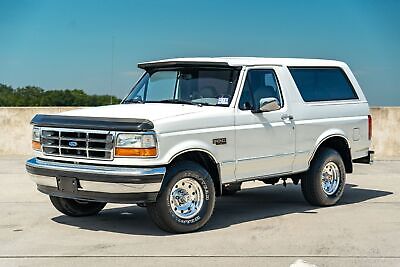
223 155
190 145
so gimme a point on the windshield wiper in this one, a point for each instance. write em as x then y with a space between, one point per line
131 101
177 101
202 103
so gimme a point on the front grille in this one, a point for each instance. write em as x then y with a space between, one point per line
77 143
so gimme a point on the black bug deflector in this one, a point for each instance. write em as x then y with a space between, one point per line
92 123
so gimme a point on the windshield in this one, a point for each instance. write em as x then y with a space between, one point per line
214 87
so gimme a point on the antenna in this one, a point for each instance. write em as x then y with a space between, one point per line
112 70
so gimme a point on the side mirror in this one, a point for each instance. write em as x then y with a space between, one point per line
269 104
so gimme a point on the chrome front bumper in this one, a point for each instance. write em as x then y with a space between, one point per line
94 182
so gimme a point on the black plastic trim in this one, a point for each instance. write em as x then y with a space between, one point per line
99 164
124 198
92 123
369 159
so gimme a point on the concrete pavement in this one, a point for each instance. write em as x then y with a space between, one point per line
259 226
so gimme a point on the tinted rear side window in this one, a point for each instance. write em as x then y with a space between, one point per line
322 84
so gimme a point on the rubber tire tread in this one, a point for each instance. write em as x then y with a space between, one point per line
73 208
160 214
311 182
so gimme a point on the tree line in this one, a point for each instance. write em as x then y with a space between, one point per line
36 96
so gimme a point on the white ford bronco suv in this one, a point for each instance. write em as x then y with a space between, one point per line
192 129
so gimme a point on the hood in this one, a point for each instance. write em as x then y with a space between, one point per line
149 111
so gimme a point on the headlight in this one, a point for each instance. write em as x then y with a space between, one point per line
136 145
36 138
136 140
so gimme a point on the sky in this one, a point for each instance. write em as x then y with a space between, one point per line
96 45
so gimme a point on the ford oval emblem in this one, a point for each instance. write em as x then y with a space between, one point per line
72 143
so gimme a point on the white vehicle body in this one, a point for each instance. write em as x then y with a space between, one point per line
255 142
279 143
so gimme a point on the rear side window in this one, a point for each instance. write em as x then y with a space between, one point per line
322 84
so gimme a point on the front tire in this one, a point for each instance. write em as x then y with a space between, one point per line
76 208
323 184
186 200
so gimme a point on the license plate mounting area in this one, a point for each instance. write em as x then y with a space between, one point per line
67 184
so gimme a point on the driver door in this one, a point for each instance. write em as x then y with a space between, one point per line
265 141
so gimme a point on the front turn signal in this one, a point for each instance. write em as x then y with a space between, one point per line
135 152
36 145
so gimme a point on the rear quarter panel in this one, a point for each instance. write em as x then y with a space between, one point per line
317 121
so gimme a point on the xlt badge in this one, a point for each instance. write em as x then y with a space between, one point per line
219 141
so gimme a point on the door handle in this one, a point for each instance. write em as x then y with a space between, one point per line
286 117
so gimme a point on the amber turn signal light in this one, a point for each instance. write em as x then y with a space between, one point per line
135 152
36 145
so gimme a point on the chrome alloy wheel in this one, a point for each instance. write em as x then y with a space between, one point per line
186 198
330 178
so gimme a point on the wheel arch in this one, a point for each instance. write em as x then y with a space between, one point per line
338 142
206 159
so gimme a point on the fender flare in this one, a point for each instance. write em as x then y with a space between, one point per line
193 150
323 138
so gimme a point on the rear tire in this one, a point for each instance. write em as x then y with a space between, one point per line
186 200
323 184
76 208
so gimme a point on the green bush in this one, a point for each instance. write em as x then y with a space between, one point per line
36 96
